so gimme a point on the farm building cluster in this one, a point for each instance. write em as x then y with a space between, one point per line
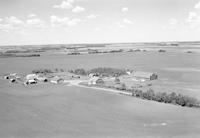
36 78
25 79
130 79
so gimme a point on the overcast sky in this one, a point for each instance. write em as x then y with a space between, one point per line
98 21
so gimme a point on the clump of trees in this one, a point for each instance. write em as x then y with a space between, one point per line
107 71
102 71
42 71
5 55
172 98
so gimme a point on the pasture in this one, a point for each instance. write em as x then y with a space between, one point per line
69 111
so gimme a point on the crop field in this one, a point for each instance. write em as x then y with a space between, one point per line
69 111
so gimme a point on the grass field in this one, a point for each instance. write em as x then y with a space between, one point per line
64 111
69 111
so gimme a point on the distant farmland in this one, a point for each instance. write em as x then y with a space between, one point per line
69 111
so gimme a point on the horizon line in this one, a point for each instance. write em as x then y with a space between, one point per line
139 42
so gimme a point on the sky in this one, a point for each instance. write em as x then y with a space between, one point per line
29 22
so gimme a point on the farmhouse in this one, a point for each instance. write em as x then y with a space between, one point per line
144 75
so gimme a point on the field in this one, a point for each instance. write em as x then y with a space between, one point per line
69 111
63 111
